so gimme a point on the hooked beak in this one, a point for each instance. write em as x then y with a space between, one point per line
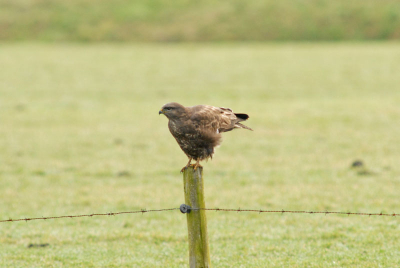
160 112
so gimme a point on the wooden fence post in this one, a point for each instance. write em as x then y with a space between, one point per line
199 252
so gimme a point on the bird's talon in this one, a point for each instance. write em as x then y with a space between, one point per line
195 166
187 165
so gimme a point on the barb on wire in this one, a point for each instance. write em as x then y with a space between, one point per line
259 211
90 215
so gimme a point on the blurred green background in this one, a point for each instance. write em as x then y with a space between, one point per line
207 20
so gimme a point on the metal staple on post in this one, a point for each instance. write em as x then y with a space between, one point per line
185 208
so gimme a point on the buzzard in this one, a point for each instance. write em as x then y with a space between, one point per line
198 129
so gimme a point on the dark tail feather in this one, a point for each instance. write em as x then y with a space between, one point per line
242 116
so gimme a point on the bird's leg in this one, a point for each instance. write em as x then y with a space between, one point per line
187 165
197 164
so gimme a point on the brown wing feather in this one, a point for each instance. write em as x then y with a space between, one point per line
215 119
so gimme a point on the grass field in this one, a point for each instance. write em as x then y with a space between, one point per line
80 133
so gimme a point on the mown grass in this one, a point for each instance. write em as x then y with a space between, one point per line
80 133
207 20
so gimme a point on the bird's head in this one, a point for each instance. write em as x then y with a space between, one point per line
172 110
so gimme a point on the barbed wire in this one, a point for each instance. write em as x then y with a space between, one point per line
206 209
300 212
89 215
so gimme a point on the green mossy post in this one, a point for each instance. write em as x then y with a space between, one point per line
199 252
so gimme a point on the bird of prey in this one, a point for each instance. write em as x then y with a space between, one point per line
198 129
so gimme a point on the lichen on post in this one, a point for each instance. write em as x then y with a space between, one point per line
199 253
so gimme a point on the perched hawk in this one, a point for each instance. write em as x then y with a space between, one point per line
198 129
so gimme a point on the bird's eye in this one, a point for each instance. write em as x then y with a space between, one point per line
167 108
